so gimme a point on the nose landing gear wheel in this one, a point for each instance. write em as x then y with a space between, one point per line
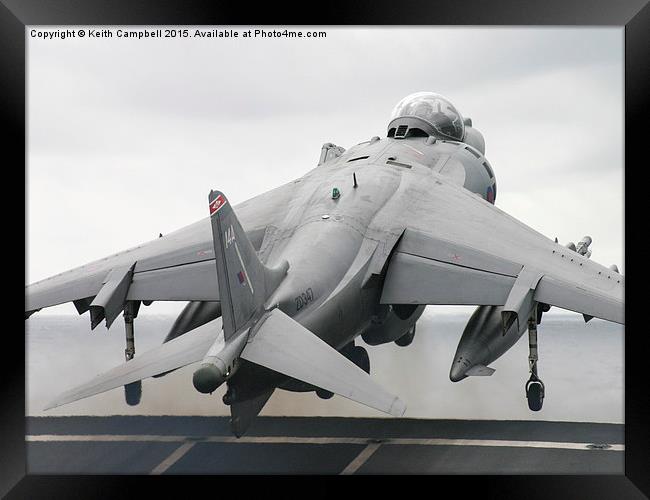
535 394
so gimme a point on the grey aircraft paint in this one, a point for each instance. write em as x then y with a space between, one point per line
358 246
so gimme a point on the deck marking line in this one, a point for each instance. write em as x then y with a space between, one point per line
105 438
502 443
176 455
360 459
314 440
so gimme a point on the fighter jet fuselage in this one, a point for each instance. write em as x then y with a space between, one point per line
330 239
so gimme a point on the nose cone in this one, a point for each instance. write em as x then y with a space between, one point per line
207 378
458 368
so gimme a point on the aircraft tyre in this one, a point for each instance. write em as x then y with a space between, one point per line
407 338
359 356
323 394
535 394
133 393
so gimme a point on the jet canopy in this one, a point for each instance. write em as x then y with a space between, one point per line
426 113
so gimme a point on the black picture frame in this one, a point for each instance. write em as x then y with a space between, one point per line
634 15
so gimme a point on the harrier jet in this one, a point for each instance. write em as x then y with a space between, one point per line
280 286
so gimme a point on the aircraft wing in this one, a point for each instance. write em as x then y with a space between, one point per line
177 266
459 249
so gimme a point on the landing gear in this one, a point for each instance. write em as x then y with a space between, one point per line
541 309
229 396
358 355
323 394
133 391
407 338
535 393
534 386
355 353
130 313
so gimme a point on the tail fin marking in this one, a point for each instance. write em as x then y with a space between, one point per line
244 281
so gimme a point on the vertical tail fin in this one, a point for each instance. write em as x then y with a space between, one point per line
244 282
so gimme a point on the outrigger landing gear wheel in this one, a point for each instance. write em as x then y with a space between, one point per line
535 393
407 338
133 393
534 386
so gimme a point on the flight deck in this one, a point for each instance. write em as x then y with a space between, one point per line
319 445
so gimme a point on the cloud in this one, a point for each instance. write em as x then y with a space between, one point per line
125 137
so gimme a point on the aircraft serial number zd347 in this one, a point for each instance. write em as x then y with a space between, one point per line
390 226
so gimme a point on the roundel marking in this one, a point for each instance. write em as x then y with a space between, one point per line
490 195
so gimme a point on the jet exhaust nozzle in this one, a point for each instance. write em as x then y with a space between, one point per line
194 314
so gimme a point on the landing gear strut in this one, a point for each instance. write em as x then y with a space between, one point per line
534 386
132 391
129 316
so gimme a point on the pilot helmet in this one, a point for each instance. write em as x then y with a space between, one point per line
426 114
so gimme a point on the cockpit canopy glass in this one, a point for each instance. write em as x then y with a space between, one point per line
433 109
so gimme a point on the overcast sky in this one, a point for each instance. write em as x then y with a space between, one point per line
126 137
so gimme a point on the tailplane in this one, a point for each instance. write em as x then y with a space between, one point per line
282 344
